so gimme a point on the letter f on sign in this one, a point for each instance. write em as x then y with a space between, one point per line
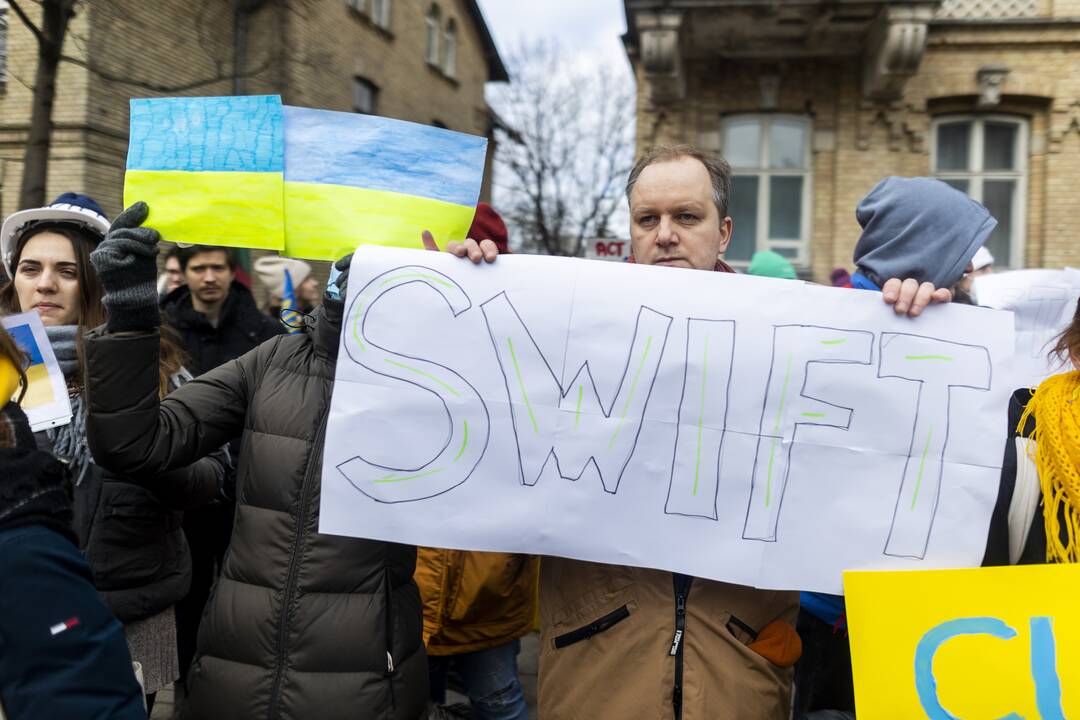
788 405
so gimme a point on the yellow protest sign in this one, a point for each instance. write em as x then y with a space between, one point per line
980 644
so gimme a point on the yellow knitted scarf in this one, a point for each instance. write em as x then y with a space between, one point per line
1056 408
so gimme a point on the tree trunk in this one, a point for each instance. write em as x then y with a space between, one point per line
54 23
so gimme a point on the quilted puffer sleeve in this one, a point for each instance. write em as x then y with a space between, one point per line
130 431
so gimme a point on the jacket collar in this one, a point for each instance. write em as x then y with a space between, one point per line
326 331
182 313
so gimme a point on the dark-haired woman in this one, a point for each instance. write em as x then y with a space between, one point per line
128 527
1037 516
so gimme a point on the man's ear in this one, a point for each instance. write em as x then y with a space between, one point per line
726 226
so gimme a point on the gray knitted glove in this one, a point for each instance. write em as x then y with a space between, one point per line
126 265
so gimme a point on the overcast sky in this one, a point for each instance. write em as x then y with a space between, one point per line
588 29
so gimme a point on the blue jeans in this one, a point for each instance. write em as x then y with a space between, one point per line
490 679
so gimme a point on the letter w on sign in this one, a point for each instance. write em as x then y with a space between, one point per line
535 391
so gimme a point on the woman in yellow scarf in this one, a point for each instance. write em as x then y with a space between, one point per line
1037 516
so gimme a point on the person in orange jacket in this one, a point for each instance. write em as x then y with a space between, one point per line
477 605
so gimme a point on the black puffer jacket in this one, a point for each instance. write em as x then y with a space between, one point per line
240 327
300 625
129 531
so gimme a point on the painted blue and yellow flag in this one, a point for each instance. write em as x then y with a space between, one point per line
361 179
46 401
38 389
211 169
249 172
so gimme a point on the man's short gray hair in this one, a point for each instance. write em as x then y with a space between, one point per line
717 166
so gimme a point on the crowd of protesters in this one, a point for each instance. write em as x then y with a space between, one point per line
168 535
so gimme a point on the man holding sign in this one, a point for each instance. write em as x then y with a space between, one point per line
632 642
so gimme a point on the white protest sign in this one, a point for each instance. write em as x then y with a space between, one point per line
757 431
46 402
1044 302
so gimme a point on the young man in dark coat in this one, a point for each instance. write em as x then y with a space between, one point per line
300 625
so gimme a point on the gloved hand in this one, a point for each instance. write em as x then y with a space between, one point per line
342 280
126 265
333 307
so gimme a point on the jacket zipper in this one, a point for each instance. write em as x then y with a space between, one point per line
389 637
294 570
595 627
678 641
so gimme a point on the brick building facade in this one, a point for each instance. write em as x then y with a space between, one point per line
421 60
812 102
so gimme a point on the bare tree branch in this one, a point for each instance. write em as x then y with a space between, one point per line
567 146
27 21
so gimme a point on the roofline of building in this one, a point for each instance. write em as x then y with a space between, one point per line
1025 22
630 38
496 69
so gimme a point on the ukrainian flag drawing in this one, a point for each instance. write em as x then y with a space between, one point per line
39 387
211 169
361 179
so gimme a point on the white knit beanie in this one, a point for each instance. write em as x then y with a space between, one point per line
271 271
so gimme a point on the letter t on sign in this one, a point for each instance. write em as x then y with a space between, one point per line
938 366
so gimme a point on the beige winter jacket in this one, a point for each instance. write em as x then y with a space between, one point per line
610 646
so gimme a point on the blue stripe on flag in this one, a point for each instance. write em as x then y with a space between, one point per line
212 134
377 153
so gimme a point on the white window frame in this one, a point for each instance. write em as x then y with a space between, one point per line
381 12
432 35
976 175
764 172
450 48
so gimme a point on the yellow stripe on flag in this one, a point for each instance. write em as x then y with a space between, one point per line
234 209
39 389
325 222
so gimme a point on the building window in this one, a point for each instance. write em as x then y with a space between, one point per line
359 6
432 21
986 157
770 199
449 64
365 96
380 13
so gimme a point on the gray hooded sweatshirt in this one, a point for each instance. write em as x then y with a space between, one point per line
919 228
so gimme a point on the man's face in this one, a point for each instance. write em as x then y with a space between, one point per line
673 219
174 276
208 276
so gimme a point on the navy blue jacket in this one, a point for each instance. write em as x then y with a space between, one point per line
62 653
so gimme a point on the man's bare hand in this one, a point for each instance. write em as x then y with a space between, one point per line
910 298
485 250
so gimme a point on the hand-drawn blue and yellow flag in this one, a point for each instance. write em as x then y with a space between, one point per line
361 179
211 169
